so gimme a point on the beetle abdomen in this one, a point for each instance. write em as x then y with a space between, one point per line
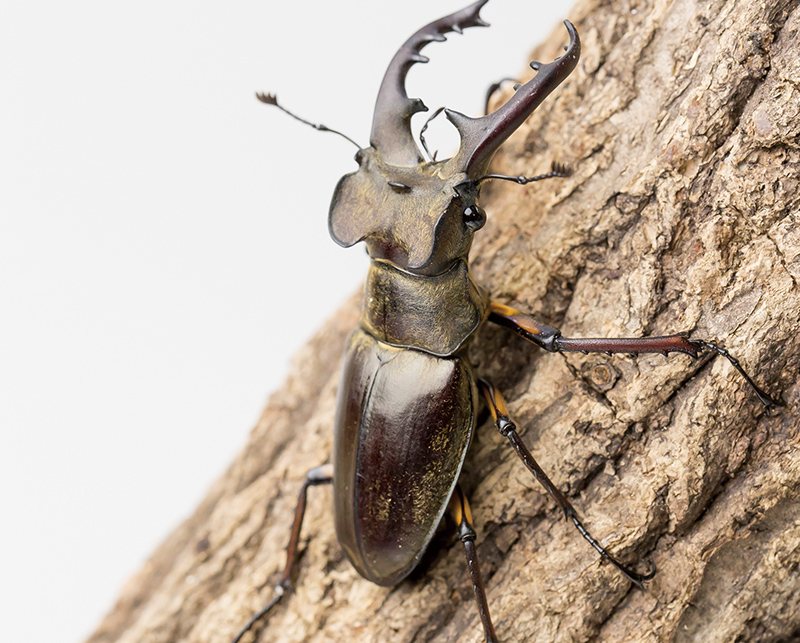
403 424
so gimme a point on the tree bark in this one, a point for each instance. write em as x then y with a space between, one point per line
681 122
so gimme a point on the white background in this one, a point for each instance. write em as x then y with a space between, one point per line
164 251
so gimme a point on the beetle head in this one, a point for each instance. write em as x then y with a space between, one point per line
420 215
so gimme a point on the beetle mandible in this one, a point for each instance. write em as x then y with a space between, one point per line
408 397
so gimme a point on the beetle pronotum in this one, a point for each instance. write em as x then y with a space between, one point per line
408 396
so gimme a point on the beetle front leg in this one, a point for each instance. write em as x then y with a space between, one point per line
459 508
316 476
551 340
497 407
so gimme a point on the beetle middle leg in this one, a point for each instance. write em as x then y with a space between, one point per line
320 475
508 429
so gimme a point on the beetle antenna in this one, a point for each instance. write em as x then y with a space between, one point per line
557 170
272 99
422 134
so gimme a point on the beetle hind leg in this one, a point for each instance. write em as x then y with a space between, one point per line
459 508
315 477
492 90
508 429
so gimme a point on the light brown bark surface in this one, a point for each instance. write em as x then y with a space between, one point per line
682 123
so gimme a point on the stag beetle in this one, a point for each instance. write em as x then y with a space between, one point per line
408 397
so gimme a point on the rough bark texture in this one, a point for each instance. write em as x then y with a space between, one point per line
682 123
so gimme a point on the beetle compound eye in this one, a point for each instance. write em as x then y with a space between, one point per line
475 216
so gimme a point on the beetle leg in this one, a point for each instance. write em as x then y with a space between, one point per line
497 407
551 340
424 129
493 88
316 476
459 508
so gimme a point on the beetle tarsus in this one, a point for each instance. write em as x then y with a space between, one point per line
765 399
499 412
550 339
280 592
635 577
320 475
